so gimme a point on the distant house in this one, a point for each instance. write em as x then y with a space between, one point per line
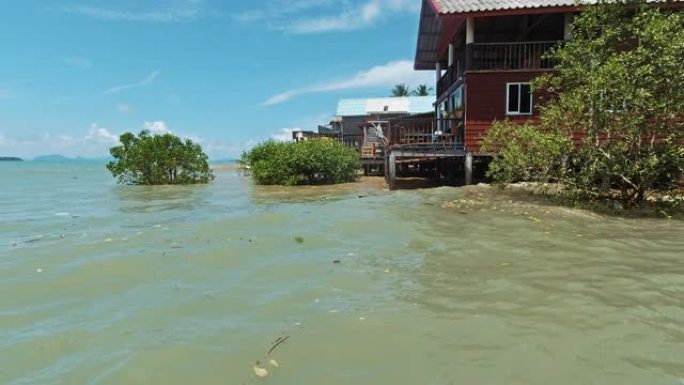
302 135
357 117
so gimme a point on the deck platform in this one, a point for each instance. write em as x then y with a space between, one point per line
451 165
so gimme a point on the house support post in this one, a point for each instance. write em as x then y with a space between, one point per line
438 67
469 169
392 174
470 40
452 54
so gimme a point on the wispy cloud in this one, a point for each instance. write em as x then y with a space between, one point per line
94 143
385 75
161 12
147 81
328 16
97 140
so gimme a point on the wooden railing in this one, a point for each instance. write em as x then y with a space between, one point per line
510 56
451 76
427 134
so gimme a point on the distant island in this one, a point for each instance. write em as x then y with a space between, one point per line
224 160
10 159
55 158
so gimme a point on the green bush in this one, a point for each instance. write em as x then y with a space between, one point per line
159 160
316 161
525 152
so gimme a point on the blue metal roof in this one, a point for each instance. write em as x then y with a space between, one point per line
362 107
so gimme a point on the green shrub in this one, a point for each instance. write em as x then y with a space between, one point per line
525 152
158 160
316 161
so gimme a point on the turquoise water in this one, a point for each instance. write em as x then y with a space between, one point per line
107 284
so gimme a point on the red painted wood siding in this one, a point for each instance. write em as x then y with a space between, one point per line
485 102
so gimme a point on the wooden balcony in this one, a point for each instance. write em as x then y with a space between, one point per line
426 134
510 56
450 77
502 57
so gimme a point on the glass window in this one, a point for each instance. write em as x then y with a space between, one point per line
518 99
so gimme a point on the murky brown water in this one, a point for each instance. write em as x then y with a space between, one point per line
105 284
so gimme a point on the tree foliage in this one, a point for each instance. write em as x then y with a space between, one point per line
525 153
618 93
315 161
158 160
422 90
401 90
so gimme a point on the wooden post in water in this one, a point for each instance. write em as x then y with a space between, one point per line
469 169
386 168
392 174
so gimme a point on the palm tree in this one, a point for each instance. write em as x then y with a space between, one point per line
422 90
401 90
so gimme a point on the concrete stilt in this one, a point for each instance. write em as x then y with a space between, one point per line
469 169
392 174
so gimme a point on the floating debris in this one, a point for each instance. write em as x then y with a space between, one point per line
39 270
259 371
277 342
337 261
274 363
299 239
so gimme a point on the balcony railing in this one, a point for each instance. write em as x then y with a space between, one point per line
511 56
451 76
427 133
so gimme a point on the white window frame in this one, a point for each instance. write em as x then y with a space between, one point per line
508 94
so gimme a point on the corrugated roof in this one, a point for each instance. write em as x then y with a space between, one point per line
445 7
462 6
408 105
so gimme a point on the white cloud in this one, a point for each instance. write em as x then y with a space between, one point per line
344 16
101 135
157 128
284 134
147 81
95 143
167 11
386 75
78 62
279 9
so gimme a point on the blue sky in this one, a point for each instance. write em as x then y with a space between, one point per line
76 73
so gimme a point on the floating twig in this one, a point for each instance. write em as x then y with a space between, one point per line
277 342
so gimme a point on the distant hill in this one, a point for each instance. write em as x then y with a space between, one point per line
56 158
222 161
9 159
51 158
